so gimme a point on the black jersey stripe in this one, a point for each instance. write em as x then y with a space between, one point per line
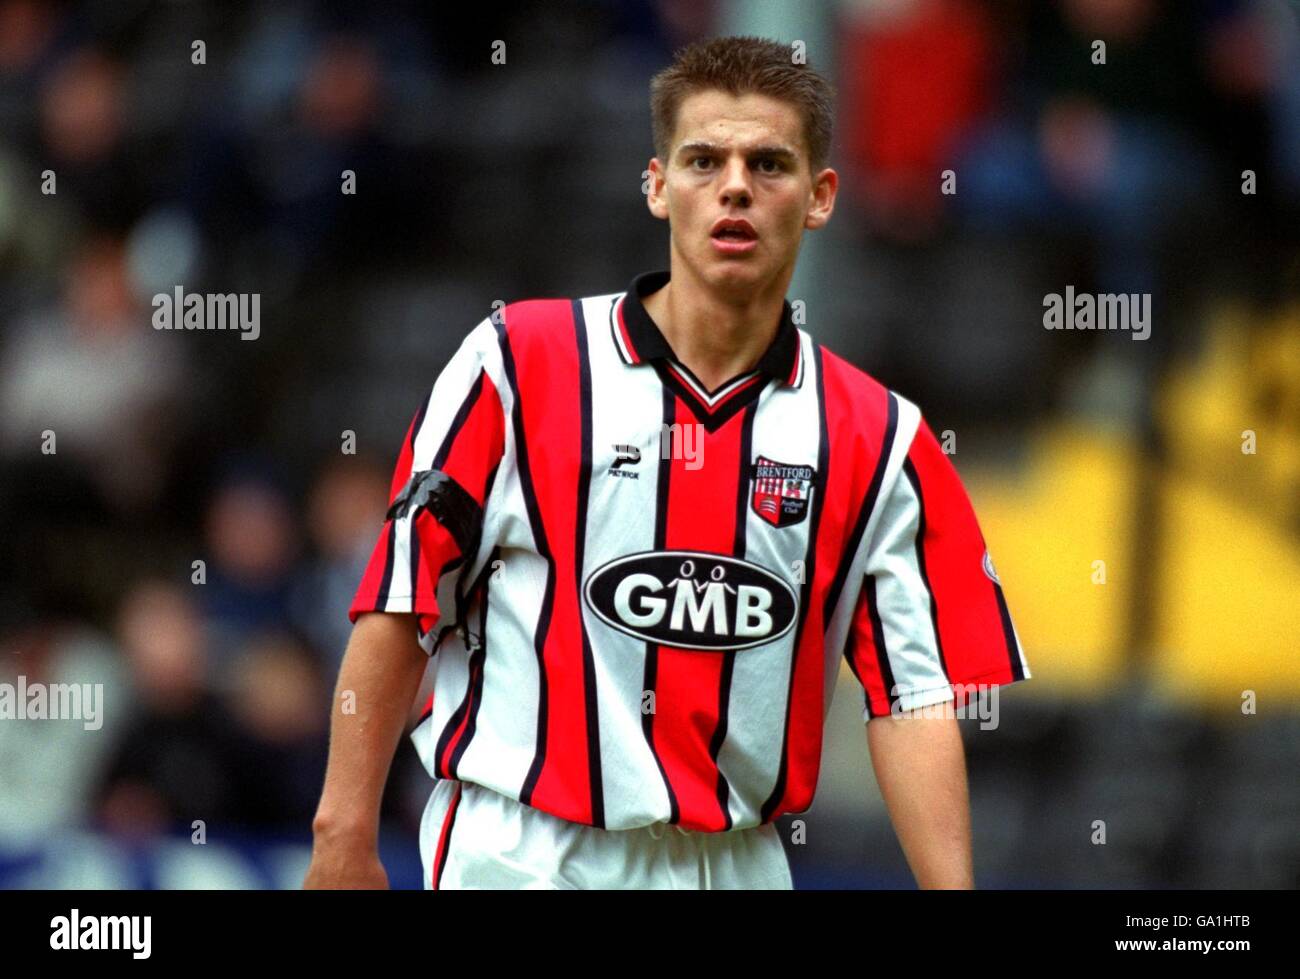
915 480
651 648
458 422
474 689
584 500
1009 633
544 549
850 651
439 460
729 656
882 655
614 333
386 582
864 512
463 588
470 699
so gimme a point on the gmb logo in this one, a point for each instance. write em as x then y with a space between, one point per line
692 600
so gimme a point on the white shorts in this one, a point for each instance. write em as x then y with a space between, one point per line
472 837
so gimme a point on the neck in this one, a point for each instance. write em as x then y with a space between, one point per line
716 336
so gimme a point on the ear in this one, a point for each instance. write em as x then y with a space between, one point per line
655 198
825 186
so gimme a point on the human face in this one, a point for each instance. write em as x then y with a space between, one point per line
740 158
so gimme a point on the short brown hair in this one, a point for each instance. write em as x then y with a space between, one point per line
741 65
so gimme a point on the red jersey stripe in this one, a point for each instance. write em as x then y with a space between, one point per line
701 517
967 604
444 837
549 391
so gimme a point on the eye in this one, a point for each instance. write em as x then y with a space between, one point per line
776 164
693 160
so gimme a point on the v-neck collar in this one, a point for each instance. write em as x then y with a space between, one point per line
640 342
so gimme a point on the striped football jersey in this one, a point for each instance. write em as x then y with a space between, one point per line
638 592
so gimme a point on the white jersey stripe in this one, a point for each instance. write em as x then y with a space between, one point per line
839 621
905 604
782 423
620 403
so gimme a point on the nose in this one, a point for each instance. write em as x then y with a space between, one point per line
735 183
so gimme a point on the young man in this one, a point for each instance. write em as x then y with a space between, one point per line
638 531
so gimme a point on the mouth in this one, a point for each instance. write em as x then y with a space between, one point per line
733 229
733 236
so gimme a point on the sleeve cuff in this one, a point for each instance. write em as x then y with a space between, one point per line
913 699
394 603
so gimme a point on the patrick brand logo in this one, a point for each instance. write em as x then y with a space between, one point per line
103 932
628 455
179 310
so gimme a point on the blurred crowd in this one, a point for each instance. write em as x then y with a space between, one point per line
179 517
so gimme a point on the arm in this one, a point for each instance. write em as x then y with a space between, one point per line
930 616
431 534
921 769
383 667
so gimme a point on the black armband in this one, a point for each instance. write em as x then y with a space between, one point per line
448 501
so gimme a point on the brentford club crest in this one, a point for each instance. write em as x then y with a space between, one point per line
781 491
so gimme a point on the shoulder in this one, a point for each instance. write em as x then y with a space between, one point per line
517 326
527 322
853 391
531 334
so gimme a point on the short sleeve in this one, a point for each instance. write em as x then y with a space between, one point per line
445 469
931 617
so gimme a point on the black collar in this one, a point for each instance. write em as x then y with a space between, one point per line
645 342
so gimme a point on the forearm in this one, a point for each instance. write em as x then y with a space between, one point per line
920 766
380 676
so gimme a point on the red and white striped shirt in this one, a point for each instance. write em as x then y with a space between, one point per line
638 591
